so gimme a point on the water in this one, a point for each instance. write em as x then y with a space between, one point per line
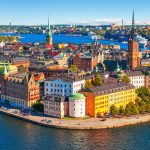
19 135
25 38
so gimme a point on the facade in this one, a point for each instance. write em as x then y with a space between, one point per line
137 78
133 49
63 86
77 105
147 79
56 106
88 62
20 90
99 99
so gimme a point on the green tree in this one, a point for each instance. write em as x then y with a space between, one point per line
143 91
39 106
74 69
126 79
98 80
113 110
121 110
88 84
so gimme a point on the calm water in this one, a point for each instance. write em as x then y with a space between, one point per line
19 135
63 39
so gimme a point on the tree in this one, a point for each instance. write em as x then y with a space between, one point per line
126 79
98 80
88 84
121 110
39 106
143 91
113 110
74 69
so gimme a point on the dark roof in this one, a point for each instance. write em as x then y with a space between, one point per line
55 98
109 88
65 78
112 64
134 73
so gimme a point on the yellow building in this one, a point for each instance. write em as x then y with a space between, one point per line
100 99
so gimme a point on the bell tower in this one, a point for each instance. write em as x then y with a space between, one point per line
133 48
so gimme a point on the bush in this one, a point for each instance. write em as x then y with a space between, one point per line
39 106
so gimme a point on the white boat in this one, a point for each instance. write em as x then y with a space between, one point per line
93 36
142 41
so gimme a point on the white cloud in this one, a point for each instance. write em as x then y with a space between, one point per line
117 21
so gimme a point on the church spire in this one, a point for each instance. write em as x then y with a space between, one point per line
133 26
48 25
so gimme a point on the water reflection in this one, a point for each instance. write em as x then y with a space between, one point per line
18 135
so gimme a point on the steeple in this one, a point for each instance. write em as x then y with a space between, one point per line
49 34
5 72
48 25
133 26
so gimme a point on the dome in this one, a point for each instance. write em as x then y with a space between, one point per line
148 73
76 96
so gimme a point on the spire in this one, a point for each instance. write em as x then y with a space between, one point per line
5 72
133 26
48 25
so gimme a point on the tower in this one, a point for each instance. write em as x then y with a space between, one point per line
49 35
133 48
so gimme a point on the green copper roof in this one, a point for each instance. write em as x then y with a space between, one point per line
76 96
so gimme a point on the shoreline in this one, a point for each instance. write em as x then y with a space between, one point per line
81 124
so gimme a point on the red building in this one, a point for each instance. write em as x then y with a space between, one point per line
133 49
85 62
19 89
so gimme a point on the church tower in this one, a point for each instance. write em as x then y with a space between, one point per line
133 48
49 39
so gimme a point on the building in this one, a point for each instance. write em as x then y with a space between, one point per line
77 105
137 78
88 62
133 49
49 71
147 79
56 106
63 85
99 99
20 90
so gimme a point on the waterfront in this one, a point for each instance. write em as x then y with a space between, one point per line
16 135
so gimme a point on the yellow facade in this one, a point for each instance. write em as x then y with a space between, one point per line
121 98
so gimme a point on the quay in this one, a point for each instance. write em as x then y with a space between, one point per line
81 124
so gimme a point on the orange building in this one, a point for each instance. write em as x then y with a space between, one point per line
99 99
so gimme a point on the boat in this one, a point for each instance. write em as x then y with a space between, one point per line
142 41
93 36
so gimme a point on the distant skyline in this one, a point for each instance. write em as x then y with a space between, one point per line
36 12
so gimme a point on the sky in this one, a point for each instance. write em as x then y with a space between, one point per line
36 12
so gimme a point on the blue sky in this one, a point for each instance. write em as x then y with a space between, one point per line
72 11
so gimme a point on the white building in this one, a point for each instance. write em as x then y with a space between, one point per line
63 86
56 106
137 78
77 105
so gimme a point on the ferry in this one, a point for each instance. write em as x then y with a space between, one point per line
93 36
